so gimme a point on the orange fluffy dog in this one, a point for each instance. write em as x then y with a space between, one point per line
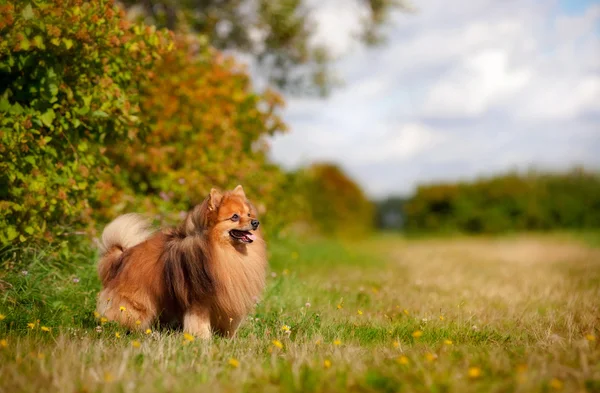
206 274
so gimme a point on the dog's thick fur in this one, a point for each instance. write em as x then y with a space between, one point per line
197 275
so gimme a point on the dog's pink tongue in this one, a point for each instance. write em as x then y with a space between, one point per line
251 236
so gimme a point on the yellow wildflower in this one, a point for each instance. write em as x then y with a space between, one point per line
234 363
359 312
405 311
448 342
474 372
556 383
117 335
138 322
122 308
4 343
403 360
96 314
417 334
441 317
278 344
148 331
45 329
396 344
590 337
135 344
285 328
318 342
103 320
31 325
431 357
339 306
337 343
188 337
327 363
2 317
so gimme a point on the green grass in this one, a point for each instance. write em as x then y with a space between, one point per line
387 314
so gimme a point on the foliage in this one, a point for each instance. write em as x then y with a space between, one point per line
71 74
279 34
208 129
508 203
336 205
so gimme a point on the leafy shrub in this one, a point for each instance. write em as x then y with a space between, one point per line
71 75
208 129
507 203
336 204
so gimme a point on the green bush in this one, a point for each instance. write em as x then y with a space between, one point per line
335 203
507 203
71 75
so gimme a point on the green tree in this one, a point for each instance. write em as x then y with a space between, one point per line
278 34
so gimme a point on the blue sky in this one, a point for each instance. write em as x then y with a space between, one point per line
461 89
574 7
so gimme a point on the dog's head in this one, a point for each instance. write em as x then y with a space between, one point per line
228 215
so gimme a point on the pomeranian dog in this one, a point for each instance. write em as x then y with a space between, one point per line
204 275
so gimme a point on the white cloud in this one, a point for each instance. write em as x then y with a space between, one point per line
480 81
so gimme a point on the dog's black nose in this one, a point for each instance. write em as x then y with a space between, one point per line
254 223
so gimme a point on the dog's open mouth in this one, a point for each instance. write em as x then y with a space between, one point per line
243 236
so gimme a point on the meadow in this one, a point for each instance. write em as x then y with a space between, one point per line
512 313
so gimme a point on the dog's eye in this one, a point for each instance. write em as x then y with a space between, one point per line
235 217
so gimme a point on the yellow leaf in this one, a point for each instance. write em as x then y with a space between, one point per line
68 42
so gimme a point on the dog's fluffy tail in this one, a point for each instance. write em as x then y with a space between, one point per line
124 232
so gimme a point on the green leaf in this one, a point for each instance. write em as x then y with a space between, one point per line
11 233
48 117
30 159
25 44
99 114
29 230
39 42
27 12
68 42
53 89
87 100
4 104
22 238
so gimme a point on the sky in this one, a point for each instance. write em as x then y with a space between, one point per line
461 89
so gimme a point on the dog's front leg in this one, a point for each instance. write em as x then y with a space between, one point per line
196 321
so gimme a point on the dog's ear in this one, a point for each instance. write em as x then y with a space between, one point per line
239 191
214 199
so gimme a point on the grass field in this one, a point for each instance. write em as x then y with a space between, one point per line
515 313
